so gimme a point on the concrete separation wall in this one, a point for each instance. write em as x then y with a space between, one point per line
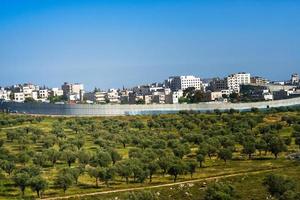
113 110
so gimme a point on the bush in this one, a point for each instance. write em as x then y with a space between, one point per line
220 191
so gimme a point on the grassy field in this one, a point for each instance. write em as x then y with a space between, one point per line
247 186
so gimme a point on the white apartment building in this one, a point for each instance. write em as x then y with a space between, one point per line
19 97
77 87
148 99
69 89
173 98
34 95
295 78
113 96
100 97
43 94
4 94
213 96
184 82
27 91
57 92
235 80
159 98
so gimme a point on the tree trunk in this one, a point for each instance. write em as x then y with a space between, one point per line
175 178
96 182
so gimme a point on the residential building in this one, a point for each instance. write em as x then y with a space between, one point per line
174 97
72 88
218 84
27 91
148 99
235 80
124 99
19 97
77 88
142 90
134 98
34 95
89 97
295 79
56 92
184 82
159 98
4 94
43 94
74 92
112 96
100 97
213 96
67 89
257 80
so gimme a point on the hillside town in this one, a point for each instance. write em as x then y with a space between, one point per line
238 87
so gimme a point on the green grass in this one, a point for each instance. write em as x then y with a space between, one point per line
247 187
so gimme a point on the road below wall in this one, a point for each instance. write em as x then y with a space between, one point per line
120 109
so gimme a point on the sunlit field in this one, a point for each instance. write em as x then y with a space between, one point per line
57 156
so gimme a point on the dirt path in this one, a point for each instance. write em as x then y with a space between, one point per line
162 185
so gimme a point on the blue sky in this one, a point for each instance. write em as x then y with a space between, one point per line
111 43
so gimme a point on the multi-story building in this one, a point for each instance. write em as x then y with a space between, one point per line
75 90
295 79
218 84
142 90
100 97
112 96
159 98
67 89
184 82
27 91
213 96
43 94
173 98
56 92
147 99
19 97
257 80
235 80
35 96
4 94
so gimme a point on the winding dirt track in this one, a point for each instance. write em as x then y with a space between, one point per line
162 185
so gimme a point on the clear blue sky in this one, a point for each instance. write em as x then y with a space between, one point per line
111 43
